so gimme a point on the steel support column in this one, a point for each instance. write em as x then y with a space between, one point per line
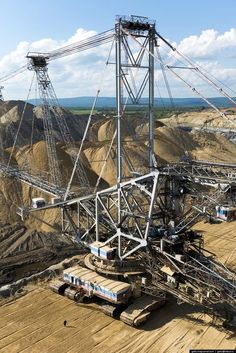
151 35
118 123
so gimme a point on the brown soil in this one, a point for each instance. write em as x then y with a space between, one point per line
208 117
34 323
24 251
170 144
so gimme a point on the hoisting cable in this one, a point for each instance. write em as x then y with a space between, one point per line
176 116
91 42
88 125
111 143
33 120
197 69
13 73
183 80
165 78
20 122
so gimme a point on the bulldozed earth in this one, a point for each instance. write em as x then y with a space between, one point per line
34 322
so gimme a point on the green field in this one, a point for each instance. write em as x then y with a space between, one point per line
79 111
159 113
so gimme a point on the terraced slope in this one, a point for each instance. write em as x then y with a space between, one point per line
23 252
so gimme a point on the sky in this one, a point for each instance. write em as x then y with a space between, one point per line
205 30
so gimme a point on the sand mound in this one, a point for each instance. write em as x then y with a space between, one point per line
134 151
143 128
35 160
10 193
171 143
75 123
107 130
9 121
131 126
96 156
17 107
213 147
11 113
208 117
97 122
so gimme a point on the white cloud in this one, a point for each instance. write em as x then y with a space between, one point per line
83 73
212 51
74 75
208 44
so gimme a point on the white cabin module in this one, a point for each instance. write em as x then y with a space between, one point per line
103 251
226 213
38 202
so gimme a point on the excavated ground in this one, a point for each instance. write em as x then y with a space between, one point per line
24 252
34 322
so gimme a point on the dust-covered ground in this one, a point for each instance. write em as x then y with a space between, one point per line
34 322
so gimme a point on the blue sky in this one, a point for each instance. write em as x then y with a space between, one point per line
31 20
205 30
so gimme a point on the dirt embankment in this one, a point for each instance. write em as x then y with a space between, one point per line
207 117
24 251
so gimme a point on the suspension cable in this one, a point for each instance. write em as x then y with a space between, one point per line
81 145
183 80
33 120
88 124
197 68
91 42
165 77
169 92
13 73
111 143
21 119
